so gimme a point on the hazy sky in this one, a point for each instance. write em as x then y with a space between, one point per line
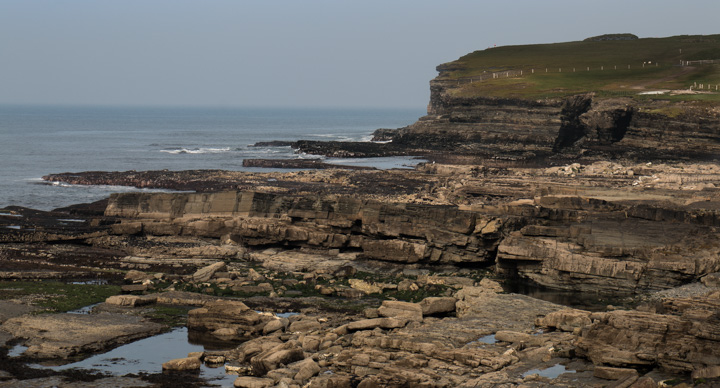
367 53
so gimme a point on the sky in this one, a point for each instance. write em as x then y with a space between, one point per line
288 53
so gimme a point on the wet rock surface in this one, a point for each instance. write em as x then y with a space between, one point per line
65 335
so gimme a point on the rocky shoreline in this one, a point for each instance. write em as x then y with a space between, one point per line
339 276
392 283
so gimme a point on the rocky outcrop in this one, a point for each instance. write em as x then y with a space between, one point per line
299 163
680 336
402 233
590 241
518 129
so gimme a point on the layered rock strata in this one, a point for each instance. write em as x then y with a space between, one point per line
567 234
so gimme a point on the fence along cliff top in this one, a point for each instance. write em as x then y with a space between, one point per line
607 66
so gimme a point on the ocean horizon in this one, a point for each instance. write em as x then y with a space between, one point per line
43 139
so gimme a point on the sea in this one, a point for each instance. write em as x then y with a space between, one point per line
40 140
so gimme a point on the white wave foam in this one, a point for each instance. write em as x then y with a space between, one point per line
196 150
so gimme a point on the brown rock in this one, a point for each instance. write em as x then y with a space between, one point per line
188 363
136 276
131 300
490 285
370 313
437 305
383 323
275 325
307 368
405 310
268 360
609 373
252 382
134 287
368 288
644 382
311 343
707 373
214 359
676 343
565 320
231 315
711 280
206 273
304 326
65 335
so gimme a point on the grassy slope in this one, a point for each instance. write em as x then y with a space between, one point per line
580 55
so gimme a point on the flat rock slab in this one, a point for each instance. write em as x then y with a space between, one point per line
52 336
10 309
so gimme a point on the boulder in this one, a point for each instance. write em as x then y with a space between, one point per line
134 287
268 360
234 316
307 368
512 336
275 325
565 320
610 373
686 342
383 323
131 300
405 310
368 288
136 276
438 305
252 382
304 326
206 273
188 363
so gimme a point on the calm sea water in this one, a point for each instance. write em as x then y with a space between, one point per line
35 141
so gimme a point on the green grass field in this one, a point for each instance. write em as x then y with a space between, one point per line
655 64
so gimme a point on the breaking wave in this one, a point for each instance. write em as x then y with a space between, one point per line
176 151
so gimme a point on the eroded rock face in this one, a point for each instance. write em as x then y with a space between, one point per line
520 129
683 338
403 233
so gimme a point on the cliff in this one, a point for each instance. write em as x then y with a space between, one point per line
636 99
581 126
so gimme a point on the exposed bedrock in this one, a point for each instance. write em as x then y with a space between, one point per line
579 126
681 336
560 241
403 233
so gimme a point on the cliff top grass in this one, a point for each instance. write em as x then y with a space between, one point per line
607 67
